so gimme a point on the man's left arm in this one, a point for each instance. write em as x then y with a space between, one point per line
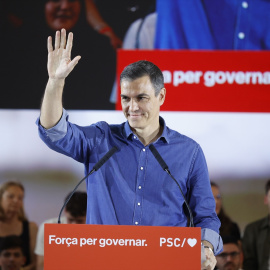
202 203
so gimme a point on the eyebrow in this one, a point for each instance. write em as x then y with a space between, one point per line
140 95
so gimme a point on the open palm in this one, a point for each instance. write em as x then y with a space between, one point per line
59 62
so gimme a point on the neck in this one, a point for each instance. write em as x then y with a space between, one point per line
11 218
148 137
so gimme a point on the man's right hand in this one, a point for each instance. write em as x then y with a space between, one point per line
59 66
59 62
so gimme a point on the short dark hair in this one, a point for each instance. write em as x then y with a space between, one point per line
267 186
10 242
142 68
228 239
77 204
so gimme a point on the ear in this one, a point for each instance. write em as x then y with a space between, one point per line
162 95
241 256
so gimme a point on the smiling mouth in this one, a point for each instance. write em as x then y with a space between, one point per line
134 115
63 16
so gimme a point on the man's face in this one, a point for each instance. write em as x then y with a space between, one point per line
267 200
217 197
12 259
230 258
75 220
62 13
139 104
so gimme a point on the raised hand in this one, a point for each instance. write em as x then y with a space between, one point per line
59 62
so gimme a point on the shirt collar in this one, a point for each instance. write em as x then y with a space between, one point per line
164 136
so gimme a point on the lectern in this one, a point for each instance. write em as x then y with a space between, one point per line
120 247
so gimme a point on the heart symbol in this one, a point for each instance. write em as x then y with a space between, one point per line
192 242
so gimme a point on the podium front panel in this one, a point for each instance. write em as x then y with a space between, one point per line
108 247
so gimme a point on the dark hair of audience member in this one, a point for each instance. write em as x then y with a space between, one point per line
228 227
267 186
11 242
77 204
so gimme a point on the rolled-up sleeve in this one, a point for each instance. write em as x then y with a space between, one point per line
213 238
58 131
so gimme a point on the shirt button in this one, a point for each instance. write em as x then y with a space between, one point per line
241 35
141 168
136 222
244 4
143 150
139 203
135 137
139 187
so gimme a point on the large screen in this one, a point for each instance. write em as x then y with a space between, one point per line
215 59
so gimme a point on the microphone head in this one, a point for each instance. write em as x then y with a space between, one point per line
105 158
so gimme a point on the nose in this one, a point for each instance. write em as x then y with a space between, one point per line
229 258
15 199
133 106
64 4
73 222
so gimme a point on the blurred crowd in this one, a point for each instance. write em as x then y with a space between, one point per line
22 241
103 26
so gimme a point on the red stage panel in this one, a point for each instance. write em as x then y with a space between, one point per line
107 247
211 81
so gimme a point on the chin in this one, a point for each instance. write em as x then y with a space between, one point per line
133 125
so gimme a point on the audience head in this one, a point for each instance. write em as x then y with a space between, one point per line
231 257
228 227
217 196
11 253
75 210
267 194
144 68
11 200
62 13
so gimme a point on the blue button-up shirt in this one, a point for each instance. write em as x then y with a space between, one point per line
132 188
212 24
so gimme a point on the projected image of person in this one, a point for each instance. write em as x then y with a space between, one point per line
99 58
99 27
62 14
95 19
120 14
137 193
95 47
65 14
208 24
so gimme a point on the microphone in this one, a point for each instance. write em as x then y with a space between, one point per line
95 168
165 167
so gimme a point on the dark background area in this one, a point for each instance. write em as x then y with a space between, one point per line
23 44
